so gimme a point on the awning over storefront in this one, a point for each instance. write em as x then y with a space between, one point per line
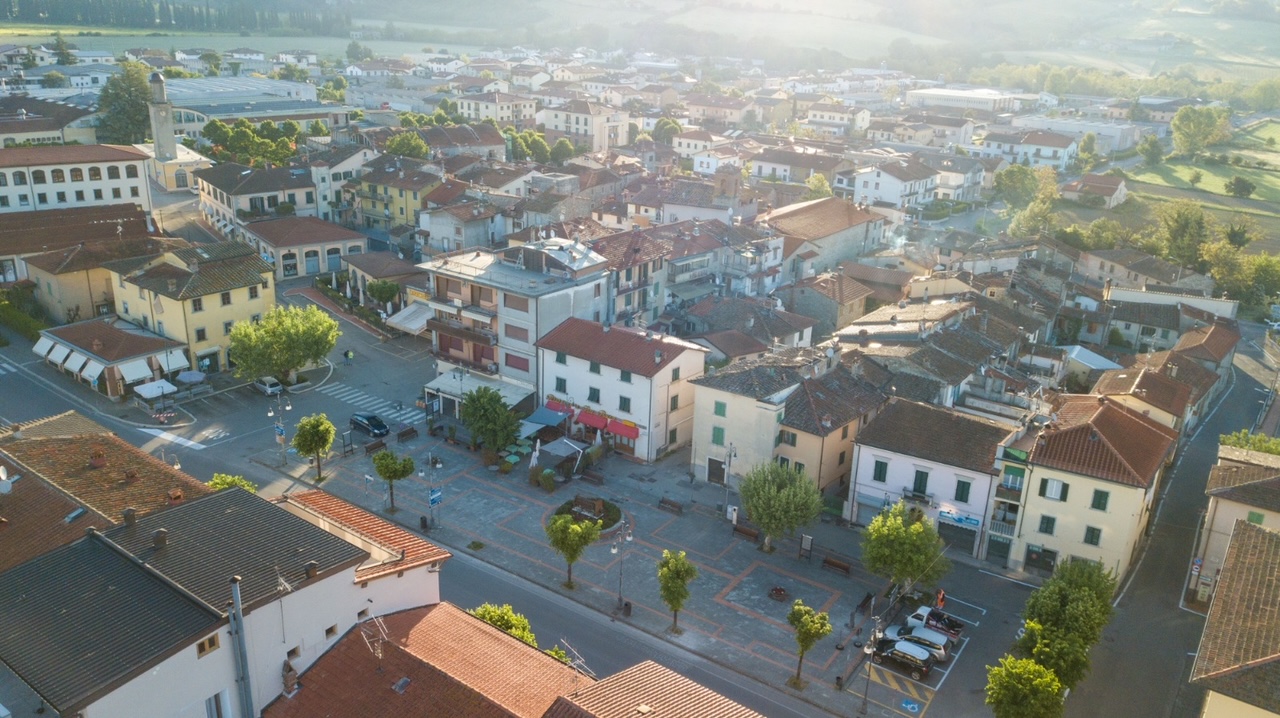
92 371
449 384
42 347
175 360
412 319
592 419
155 389
75 362
135 370
58 354
547 416
559 407
528 428
621 429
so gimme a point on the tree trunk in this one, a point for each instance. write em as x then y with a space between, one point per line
391 486
675 620
319 474
799 665
570 581
768 546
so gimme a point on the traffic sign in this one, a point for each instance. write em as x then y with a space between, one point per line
436 496
279 430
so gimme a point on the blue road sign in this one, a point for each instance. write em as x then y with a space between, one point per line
279 430
436 496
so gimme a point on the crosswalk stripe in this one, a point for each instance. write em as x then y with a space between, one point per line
6 368
369 402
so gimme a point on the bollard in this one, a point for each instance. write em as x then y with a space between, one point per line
626 609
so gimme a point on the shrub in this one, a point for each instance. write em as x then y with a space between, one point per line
22 322
547 480
505 467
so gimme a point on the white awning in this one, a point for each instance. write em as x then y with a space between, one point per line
92 371
449 384
58 354
42 347
412 319
155 389
135 370
175 360
75 362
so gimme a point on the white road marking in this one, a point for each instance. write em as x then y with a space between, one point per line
174 438
368 402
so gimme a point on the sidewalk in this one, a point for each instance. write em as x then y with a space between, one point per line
322 300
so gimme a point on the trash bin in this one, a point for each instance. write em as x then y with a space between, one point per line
839 683
626 609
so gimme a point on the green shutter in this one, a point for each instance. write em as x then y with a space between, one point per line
1063 496
962 491
717 435
881 471
1044 486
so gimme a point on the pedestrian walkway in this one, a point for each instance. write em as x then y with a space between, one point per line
322 300
387 410
7 368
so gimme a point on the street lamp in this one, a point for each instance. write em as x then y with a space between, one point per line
624 533
729 455
282 405
176 464
867 649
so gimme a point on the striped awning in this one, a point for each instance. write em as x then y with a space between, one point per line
92 370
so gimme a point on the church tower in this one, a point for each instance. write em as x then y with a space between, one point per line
162 120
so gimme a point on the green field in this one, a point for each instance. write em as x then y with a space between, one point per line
1178 174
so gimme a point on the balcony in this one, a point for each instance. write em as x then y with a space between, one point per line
634 284
1003 528
487 368
1008 492
916 497
255 213
463 332
376 196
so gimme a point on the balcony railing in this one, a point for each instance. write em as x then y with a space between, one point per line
487 368
1007 492
463 332
377 196
917 497
1003 528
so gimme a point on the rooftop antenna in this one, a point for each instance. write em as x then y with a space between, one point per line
374 633
576 661
282 585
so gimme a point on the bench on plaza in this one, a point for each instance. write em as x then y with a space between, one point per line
835 564
747 532
593 477
587 508
671 505
374 447
406 433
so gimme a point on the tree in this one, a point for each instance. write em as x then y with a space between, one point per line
54 80
408 144
1240 187
285 340
665 129
1076 600
562 150
1038 218
290 130
1196 178
779 499
570 538
357 52
216 132
1183 227
212 61
811 627
1194 128
383 290
1062 652
392 468
506 619
1240 230
1243 439
819 187
226 481
633 132
295 73
1151 150
1022 688
123 116
1016 185
1089 144
902 545
539 150
675 571
62 51
1225 263
317 129
314 437
395 82
488 417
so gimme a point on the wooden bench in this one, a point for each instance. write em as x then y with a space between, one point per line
374 447
746 532
671 505
587 508
593 477
407 433
836 564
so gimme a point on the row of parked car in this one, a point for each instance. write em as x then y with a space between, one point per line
925 639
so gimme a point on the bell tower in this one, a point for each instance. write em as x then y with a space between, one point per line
162 120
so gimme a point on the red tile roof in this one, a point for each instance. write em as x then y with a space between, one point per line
1149 385
839 288
297 231
624 348
663 692
68 155
54 229
33 518
1106 440
733 343
1212 343
818 218
91 255
413 551
102 339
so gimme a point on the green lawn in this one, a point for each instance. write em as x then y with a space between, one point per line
1140 212
1257 135
1177 174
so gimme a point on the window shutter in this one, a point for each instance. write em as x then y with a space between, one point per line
1063 497
1044 486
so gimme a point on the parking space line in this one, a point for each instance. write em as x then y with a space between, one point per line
901 684
951 598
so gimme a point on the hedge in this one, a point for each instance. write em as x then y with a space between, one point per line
19 321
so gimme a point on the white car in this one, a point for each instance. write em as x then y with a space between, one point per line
1273 325
268 386
937 644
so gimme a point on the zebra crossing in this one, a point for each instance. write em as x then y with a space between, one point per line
385 409
7 368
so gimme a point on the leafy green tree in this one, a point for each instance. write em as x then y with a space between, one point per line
1022 688
1062 652
292 72
665 130
562 150
267 130
633 131
54 80
392 468
811 627
216 132
1016 185
357 52
290 130
317 129
1225 263
1196 178
1038 218
1151 150
570 538
213 61
62 51
1076 600
1195 128
819 187
314 437
1244 439
1239 231
1089 144
1240 187
123 116
384 291
539 150
408 144
488 417
226 481
285 340
506 619
1183 227
779 499
902 545
675 571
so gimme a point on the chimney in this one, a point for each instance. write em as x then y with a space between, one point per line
311 568
605 328
657 357
648 336
982 322
175 496
160 538
96 345
130 516
1173 371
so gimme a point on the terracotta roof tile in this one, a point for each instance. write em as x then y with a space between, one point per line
197 271
624 348
935 433
1239 653
733 343
825 404
1257 486
666 693
1106 440
1212 343
1148 385
413 551
818 218
297 231
34 517
24 233
1183 369
92 255
839 288
68 154
381 265
110 339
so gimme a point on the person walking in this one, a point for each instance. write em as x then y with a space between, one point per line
347 356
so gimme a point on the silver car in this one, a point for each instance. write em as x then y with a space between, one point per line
936 643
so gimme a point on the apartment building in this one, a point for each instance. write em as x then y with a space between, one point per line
66 176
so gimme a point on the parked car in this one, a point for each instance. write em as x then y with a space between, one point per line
1273 324
268 385
369 423
914 660
938 644
930 617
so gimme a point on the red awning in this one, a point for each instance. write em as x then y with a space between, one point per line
560 407
592 419
621 429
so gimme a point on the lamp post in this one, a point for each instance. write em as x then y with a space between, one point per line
624 534
282 405
867 649
462 373
176 463
728 471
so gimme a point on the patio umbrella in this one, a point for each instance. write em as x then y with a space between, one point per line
533 456
191 377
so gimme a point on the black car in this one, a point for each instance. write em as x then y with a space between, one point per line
914 660
369 424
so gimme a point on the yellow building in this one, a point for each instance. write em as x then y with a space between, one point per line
71 284
392 189
195 295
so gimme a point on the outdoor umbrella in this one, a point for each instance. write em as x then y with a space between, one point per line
533 457
191 377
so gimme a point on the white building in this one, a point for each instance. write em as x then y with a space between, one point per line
589 124
983 99
58 177
628 382
901 183
500 107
